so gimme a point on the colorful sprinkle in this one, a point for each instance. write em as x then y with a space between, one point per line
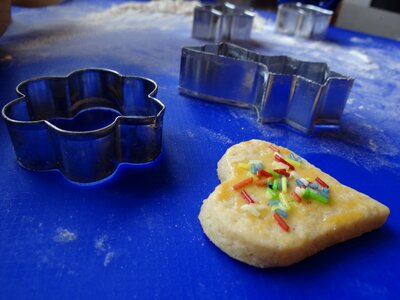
242 183
276 175
282 172
275 149
244 166
274 202
282 160
263 173
261 182
273 194
275 184
308 194
246 197
321 182
295 196
293 162
281 222
255 166
299 191
284 184
324 192
284 203
304 181
281 212
294 157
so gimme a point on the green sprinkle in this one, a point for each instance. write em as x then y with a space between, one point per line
308 194
276 175
275 185
273 194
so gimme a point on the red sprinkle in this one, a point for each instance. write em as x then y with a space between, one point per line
321 182
281 222
274 148
281 160
261 182
282 172
243 183
295 196
246 197
263 173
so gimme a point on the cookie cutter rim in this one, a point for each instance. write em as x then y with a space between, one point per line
153 122
222 22
302 20
307 104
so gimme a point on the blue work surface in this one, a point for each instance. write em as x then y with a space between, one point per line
136 234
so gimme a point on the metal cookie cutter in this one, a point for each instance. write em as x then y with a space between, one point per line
86 123
222 22
303 20
281 89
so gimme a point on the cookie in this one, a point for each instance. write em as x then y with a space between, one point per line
273 208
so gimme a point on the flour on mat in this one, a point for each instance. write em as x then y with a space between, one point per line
219 137
102 247
64 236
161 7
178 7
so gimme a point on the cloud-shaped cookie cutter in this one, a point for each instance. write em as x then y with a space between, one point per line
281 89
223 22
85 124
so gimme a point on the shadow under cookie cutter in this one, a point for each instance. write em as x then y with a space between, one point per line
281 89
303 20
85 124
225 22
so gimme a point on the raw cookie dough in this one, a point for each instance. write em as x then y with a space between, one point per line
266 219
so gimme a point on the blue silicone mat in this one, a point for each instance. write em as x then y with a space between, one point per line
136 234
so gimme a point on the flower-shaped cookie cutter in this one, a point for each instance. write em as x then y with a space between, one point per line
85 124
280 88
224 22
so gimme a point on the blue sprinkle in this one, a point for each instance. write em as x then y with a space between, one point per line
299 182
270 184
325 190
296 158
324 194
255 167
281 212
314 186
274 202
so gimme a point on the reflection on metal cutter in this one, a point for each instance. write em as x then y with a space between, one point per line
303 20
281 89
226 22
86 123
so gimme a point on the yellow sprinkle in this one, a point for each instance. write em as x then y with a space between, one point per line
273 207
285 203
284 184
249 174
308 179
244 166
293 162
